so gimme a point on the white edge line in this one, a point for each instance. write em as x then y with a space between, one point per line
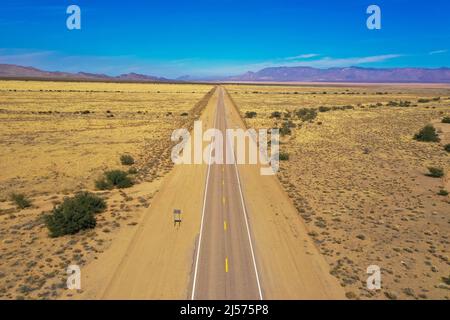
203 215
246 221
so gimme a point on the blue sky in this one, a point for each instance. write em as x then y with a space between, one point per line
222 37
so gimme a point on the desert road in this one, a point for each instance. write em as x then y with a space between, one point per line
240 237
225 266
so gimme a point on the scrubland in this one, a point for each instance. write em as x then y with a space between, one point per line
361 182
57 139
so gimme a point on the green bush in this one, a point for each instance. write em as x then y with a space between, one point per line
118 178
306 114
392 104
284 156
20 200
404 103
275 114
435 172
103 184
132 170
126 160
285 130
250 114
443 192
446 119
114 178
447 147
324 109
428 134
74 214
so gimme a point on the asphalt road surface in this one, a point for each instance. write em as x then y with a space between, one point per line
225 266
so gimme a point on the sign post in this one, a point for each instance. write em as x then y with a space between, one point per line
176 217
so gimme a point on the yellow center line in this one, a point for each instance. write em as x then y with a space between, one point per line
225 225
226 264
223 200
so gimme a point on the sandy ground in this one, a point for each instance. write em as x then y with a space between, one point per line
59 137
32 265
357 178
155 262
137 266
290 265
346 200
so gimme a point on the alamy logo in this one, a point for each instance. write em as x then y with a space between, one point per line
374 20
73 22
241 147
74 278
374 280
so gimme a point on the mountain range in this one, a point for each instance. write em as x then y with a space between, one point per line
272 74
20 72
349 74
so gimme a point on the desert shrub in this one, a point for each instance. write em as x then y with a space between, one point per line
20 200
285 130
404 103
447 147
443 192
324 109
428 134
74 214
103 184
392 104
401 103
132 170
435 172
184 114
114 178
284 156
446 280
250 114
306 114
446 119
126 160
423 100
275 114
118 178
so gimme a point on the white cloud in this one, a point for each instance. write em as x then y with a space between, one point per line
438 52
303 56
23 57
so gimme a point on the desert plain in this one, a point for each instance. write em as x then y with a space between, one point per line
358 180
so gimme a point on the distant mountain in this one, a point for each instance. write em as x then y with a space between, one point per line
273 74
140 77
184 78
350 74
20 72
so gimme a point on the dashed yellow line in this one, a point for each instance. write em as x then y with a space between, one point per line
226 264
225 225
223 200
